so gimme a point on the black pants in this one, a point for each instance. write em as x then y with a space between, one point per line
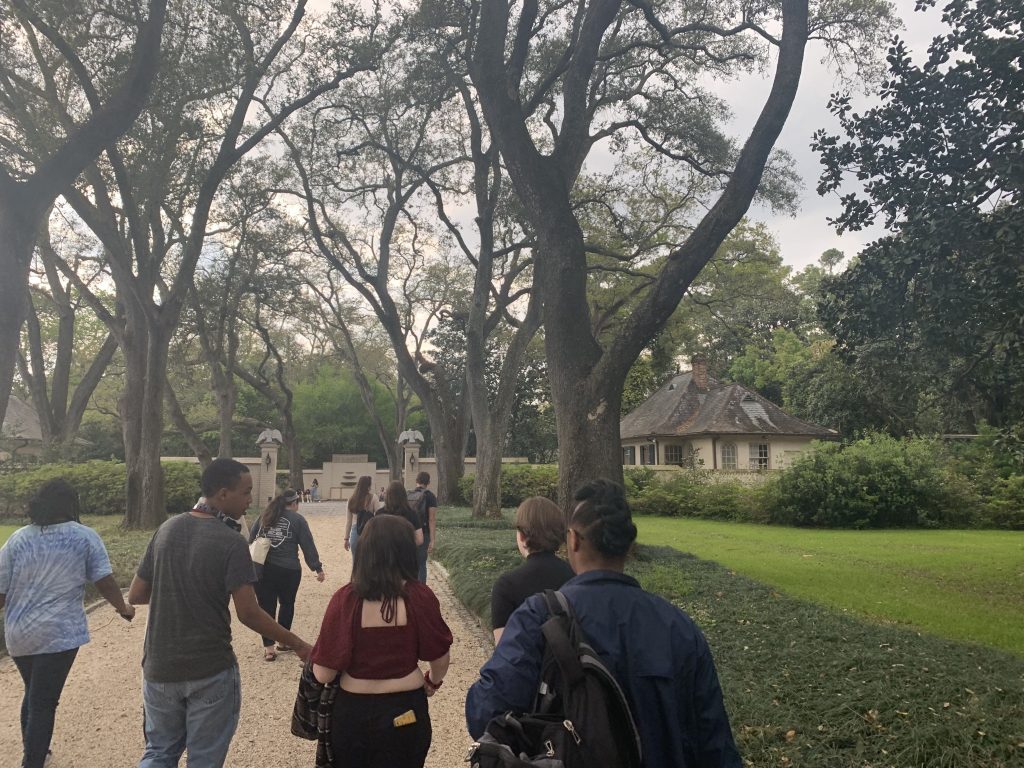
278 585
44 675
364 734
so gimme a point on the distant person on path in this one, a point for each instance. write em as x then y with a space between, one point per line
375 632
396 502
314 490
44 568
195 563
655 651
424 503
540 531
279 580
361 506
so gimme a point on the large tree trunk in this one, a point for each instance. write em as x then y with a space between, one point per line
18 230
449 436
291 440
227 394
141 406
587 417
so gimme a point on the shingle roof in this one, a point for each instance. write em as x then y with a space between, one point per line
681 408
21 421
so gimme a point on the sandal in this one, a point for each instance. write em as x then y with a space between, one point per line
283 648
269 654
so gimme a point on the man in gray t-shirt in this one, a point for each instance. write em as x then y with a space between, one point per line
195 564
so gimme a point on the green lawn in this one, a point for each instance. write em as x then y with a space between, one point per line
6 531
964 585
805 684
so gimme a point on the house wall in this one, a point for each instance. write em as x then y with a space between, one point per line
782 450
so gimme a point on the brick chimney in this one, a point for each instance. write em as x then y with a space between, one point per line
700 372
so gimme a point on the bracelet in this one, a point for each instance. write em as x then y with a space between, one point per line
431 683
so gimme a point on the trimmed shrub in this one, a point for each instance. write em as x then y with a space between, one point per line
876 482
1004 508
691 493
100 486
518 482
638 479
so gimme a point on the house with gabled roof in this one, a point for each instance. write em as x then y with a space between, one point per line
20 432
696 420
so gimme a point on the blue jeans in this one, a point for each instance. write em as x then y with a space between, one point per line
200 715
353 539
44 675
421 559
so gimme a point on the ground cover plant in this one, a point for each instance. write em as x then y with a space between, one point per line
804 685
964 585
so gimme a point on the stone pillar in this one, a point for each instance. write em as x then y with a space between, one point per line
410 464
264 484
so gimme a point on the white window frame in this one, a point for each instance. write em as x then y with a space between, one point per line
629 455
760 457
727 460
671 449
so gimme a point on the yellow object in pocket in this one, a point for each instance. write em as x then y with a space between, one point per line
406 718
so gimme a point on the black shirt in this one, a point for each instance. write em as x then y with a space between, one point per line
542 570
406 512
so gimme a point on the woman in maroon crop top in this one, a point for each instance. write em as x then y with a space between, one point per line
375 632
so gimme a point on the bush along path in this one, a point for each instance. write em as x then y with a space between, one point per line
99 721
805 686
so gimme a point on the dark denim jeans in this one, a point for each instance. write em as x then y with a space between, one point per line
421 559
44 675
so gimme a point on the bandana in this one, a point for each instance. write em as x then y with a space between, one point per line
229 522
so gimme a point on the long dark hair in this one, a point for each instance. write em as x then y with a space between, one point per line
276 507
55 502
385 559
396 500
361 496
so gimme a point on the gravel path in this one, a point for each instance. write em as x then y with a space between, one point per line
99 721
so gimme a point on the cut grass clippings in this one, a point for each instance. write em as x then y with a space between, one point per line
963 585
805 685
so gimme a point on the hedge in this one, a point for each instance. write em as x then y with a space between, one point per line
518 482
875 482
100 486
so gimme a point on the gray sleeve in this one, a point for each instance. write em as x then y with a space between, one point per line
308 546
145 569
238 570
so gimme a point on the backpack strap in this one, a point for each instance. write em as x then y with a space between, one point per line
561 637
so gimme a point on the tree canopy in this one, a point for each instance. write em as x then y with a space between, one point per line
939 301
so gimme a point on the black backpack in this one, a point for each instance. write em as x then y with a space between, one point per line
581 718
418 502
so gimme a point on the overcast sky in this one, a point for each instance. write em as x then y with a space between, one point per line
802 238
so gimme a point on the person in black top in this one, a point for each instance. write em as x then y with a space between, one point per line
396 502
424 502
540 531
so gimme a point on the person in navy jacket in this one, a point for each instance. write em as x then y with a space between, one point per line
656 651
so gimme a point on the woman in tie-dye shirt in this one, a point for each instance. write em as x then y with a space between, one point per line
44 568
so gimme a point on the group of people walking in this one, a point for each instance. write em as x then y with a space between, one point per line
383 647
